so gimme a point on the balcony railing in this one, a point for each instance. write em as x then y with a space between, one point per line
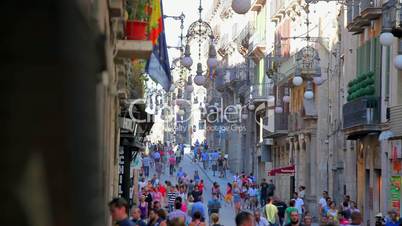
260 92
360 12
364 111
370 9
396 120
281 122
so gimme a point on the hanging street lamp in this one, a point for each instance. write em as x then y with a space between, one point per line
241 6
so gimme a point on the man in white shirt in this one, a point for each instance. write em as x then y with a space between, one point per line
299 204
322 203
260 221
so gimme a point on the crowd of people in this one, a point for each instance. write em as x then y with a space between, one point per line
181 199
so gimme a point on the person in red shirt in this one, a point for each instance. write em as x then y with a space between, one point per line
201 186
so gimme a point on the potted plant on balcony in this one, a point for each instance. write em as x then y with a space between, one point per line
137 21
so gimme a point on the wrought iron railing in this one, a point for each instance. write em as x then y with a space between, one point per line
281 121
362 111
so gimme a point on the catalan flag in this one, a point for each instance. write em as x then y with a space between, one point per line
156 21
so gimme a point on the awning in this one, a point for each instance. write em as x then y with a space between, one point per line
282 170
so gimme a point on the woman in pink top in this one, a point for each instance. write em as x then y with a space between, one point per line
156 195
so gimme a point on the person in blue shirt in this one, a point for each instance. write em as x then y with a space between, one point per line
204 157
393 220
198 207
180 174
118 208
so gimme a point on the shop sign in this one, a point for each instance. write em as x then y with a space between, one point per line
395 196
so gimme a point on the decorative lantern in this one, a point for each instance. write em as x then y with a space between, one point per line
212 62
241 6
398 62
386 38
199 79
278 109
309 94
186 61
297 80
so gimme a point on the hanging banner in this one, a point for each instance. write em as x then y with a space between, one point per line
395 186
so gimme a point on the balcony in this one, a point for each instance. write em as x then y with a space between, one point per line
259 93
356 21
243 38
370 9
116 8
138 49
280 125
361 117
257 46
277 10
396 120
257 5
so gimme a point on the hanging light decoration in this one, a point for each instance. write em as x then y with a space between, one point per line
309 94
241 6
278 109
189 87
386 38
398 62
186 61
199 79
251 107
286 97
212 61
297 80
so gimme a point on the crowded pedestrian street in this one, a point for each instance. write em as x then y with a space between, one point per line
201 113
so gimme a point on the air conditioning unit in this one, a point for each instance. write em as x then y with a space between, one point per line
268 141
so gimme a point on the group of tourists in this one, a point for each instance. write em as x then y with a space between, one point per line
182 198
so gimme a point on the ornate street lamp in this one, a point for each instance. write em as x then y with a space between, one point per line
200 30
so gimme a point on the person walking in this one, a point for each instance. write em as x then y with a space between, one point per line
299 204
171 197
177 212
244 219
332 213
136 217
263 192
236 198
213 205
289 210
260 221
197 220
172 163
118 208
294 219
215 220
146 163
271 212
229 194
270 189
